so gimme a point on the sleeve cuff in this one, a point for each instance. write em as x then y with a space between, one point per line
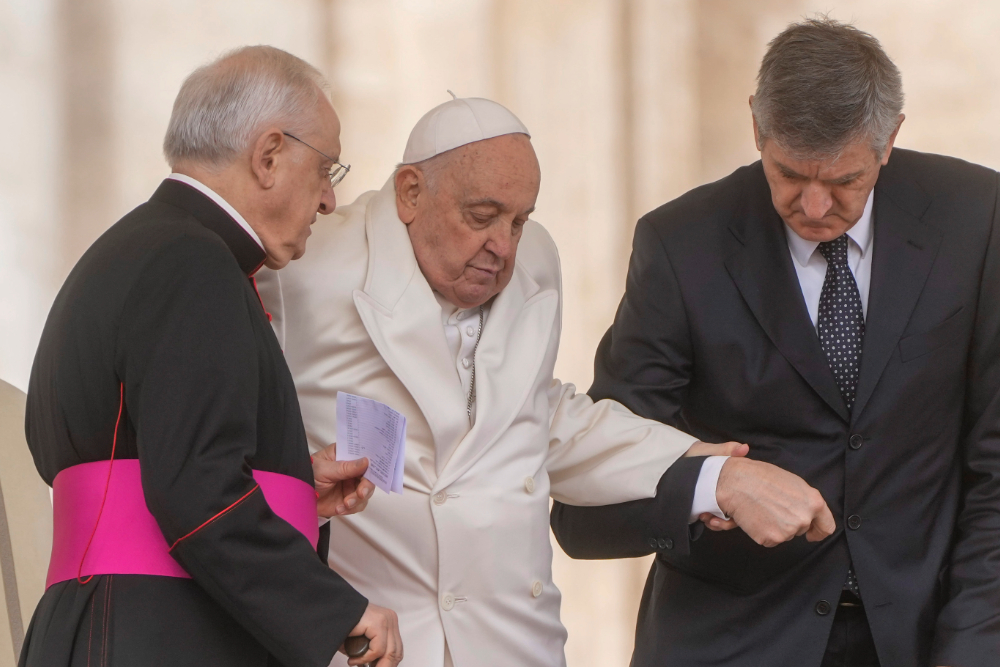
704 491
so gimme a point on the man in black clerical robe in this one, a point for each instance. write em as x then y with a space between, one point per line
160 320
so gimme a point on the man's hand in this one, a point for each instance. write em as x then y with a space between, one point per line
340 485
770 504
381 626
725 449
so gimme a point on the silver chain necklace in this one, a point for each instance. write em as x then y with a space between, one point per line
472 389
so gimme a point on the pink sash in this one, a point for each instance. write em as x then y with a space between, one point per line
128 539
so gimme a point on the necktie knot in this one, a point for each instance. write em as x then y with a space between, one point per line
835 251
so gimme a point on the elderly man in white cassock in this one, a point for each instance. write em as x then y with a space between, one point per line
412 296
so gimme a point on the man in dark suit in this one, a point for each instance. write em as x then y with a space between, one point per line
835 306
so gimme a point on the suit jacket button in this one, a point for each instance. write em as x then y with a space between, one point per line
440 498
854 522
668 543
662 543
536 589
652 542
823 607
529 484
856 441
448 602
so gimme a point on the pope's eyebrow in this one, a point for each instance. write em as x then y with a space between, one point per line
486 202
495 204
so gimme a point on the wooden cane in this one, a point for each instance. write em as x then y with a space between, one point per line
355 647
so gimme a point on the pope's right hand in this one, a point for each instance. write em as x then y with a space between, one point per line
381 626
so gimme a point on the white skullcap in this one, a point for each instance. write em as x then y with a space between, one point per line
458 122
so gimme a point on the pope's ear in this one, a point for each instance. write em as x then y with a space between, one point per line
408 186
264 159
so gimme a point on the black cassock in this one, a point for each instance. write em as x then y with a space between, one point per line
163 306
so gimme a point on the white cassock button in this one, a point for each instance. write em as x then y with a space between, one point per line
447 601
536 589
440 498
529 484
469 331
466 363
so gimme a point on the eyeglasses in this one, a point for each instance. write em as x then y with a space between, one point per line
338 173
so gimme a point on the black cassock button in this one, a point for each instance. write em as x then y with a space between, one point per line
823 607
854 522
857 441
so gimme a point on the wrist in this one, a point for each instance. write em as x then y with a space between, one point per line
725 487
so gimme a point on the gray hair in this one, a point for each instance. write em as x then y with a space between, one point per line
431 168
223 106
823 85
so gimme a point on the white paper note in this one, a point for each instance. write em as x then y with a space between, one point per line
367 428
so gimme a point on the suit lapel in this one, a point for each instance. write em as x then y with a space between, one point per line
403 319
515 339
762 269
904 249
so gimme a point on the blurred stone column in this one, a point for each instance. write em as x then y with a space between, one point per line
31 180
391 61
88 172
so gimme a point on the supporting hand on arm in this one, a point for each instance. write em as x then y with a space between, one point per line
770 504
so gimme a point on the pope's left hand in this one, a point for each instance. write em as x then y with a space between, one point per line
340 487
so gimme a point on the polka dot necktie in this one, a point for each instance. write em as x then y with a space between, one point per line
841 326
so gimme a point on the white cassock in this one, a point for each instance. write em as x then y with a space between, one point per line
463 556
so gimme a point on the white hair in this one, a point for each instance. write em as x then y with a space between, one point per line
223 106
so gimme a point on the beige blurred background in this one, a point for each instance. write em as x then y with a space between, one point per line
630 102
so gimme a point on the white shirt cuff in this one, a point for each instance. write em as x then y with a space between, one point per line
704 490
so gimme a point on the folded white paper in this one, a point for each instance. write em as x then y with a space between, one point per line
367 428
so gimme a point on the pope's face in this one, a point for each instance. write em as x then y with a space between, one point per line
302 189
465 225
821 199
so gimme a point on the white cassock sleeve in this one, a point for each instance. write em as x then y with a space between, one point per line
602 454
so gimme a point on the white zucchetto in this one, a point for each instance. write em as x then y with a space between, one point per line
458 122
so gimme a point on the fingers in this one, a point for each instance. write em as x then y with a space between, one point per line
724 449
822 526
713 522
381 626
357 493
330 472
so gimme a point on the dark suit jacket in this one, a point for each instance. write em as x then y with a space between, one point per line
163 306
713 337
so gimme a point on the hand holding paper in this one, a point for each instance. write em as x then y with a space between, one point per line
340 487
372 430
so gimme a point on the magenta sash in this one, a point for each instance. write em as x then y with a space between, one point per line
128 539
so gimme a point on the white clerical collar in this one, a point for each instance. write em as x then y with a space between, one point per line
223 204
861 233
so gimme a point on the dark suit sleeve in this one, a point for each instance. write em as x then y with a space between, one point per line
643 362
968 627
188 357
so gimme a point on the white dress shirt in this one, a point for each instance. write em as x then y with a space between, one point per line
461 330
223 204
810 267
